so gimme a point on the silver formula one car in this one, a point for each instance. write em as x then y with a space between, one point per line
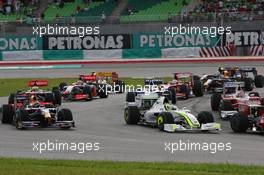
168 117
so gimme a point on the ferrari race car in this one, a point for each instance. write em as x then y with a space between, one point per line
249 115
147 96
214 83
230 90
186 85
233 96
168 117
36 109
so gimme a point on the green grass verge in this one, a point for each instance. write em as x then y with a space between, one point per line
12 85
14 166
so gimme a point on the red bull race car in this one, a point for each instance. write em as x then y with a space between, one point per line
36 108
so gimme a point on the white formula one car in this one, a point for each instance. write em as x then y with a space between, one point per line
168 117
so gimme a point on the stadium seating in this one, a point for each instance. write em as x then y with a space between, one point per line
152 10
92 13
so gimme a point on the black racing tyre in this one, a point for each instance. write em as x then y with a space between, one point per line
196 78
225 105
215 101
130 97
253 94
102 91
198 88
239 123
62 85
56 96
164 118
64 115
11 99
185 89
173 96
88 90
131 115
259 81
119 86
205 117
56 88
22 115
248 84
7 114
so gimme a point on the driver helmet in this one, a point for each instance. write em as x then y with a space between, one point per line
174 82
33 99
35 88
226 74
237 75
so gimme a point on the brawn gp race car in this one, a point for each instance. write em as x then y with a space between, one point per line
168 117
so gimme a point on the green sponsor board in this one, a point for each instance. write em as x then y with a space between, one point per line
141 53
154 40
63 54
17 43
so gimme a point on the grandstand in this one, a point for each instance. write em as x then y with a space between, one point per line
154 10
86 11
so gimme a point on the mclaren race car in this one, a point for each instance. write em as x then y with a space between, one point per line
85 89
168 117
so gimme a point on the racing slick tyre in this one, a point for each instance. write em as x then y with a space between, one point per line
164 118
11 99
130 97
102 91
225 105
196 78
239 123
215 101
65 115
205 117
56 95
173 96
132 115
62 85
248 84
7 114
119 86
253 94
185 89
88 90
198 89
259 81
22 115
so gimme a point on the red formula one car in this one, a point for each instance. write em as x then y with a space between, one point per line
233 94
249 115
186 85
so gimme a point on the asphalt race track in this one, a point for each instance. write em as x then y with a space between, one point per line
101 120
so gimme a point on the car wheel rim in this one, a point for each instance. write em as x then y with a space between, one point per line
160 121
